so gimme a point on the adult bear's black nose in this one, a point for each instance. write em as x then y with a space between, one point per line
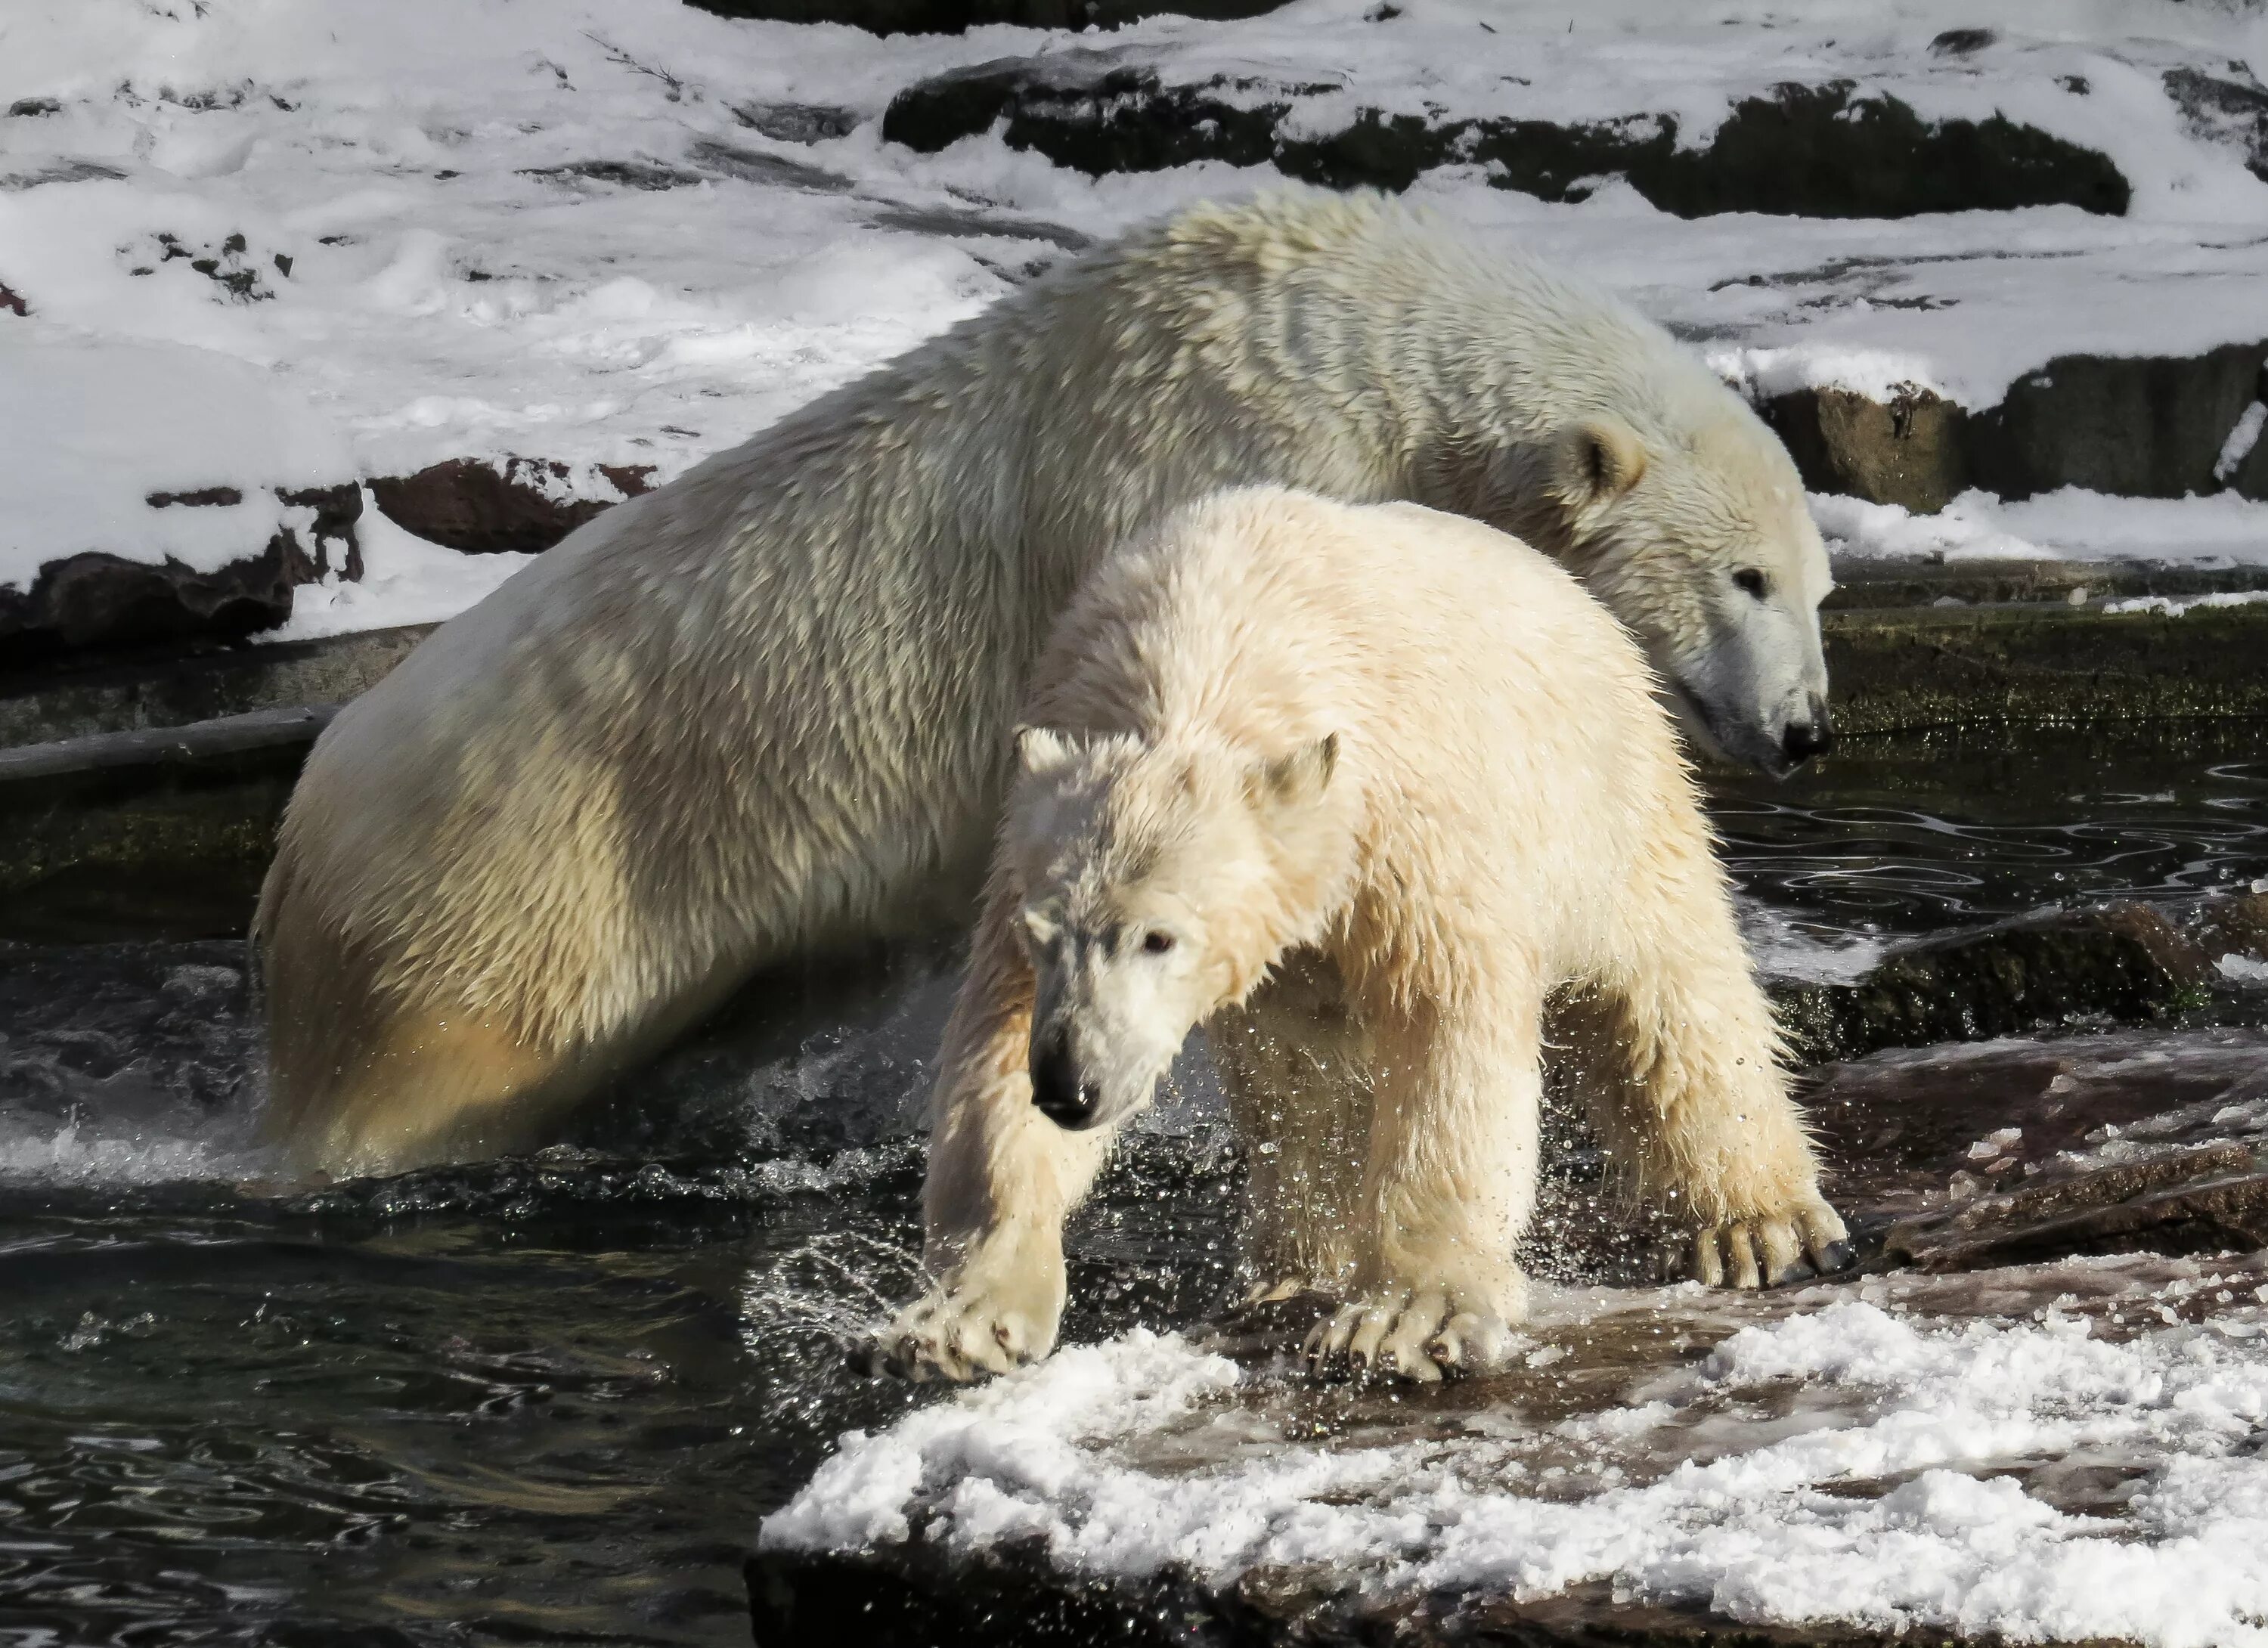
1804 739
1063 1095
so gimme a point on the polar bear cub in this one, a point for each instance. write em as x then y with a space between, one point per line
1403 740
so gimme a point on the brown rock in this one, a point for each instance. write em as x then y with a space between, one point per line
525 504
1907 452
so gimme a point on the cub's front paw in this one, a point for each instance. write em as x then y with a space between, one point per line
966 1329
1416 1333
1793 1246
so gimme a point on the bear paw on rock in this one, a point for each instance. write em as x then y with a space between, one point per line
1764 1250
1423 1333
988 1322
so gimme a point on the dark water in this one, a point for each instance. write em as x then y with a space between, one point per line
547 1401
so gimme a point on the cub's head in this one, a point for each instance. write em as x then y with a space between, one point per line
1158 884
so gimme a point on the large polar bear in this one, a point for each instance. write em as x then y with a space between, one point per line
762 713
1410 744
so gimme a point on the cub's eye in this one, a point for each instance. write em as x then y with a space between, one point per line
1156 942
1753 581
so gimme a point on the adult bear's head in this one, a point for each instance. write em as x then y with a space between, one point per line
1524 396
1697 537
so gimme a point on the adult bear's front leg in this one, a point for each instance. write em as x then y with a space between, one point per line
1448 1185
1002 1179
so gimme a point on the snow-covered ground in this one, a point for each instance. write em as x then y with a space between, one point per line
479 228
1859 1461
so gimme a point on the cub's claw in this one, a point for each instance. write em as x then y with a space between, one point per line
956 1337
1755 1253
1420 1336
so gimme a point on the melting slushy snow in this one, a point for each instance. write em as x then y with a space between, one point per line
1792 1528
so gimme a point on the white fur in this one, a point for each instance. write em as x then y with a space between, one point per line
1403 748
762 711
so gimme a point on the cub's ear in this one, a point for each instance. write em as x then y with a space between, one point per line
1598 459
1299 777
1041 750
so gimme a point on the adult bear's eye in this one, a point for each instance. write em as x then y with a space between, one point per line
1156 942
1753 581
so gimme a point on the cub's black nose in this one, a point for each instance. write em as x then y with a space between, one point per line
1062 1096
1804 739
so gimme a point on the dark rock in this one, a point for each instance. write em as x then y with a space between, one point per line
23 108
61 172
2124 962
1908 452
1960 42
204 497
750 166
12 302
96 600
1809 150
526 505
2142 426
954 17
637 174
795 122
956 221
2231 110
99 600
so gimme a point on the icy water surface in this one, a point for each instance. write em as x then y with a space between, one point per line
548 1401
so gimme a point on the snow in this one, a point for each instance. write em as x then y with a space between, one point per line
1864 1506
405 580
2070 523
483 228
93 427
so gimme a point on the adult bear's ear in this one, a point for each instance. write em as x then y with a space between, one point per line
1042 750
1598 459
1299 777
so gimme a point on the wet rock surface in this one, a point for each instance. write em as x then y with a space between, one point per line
2125 963
522 504
1809 150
